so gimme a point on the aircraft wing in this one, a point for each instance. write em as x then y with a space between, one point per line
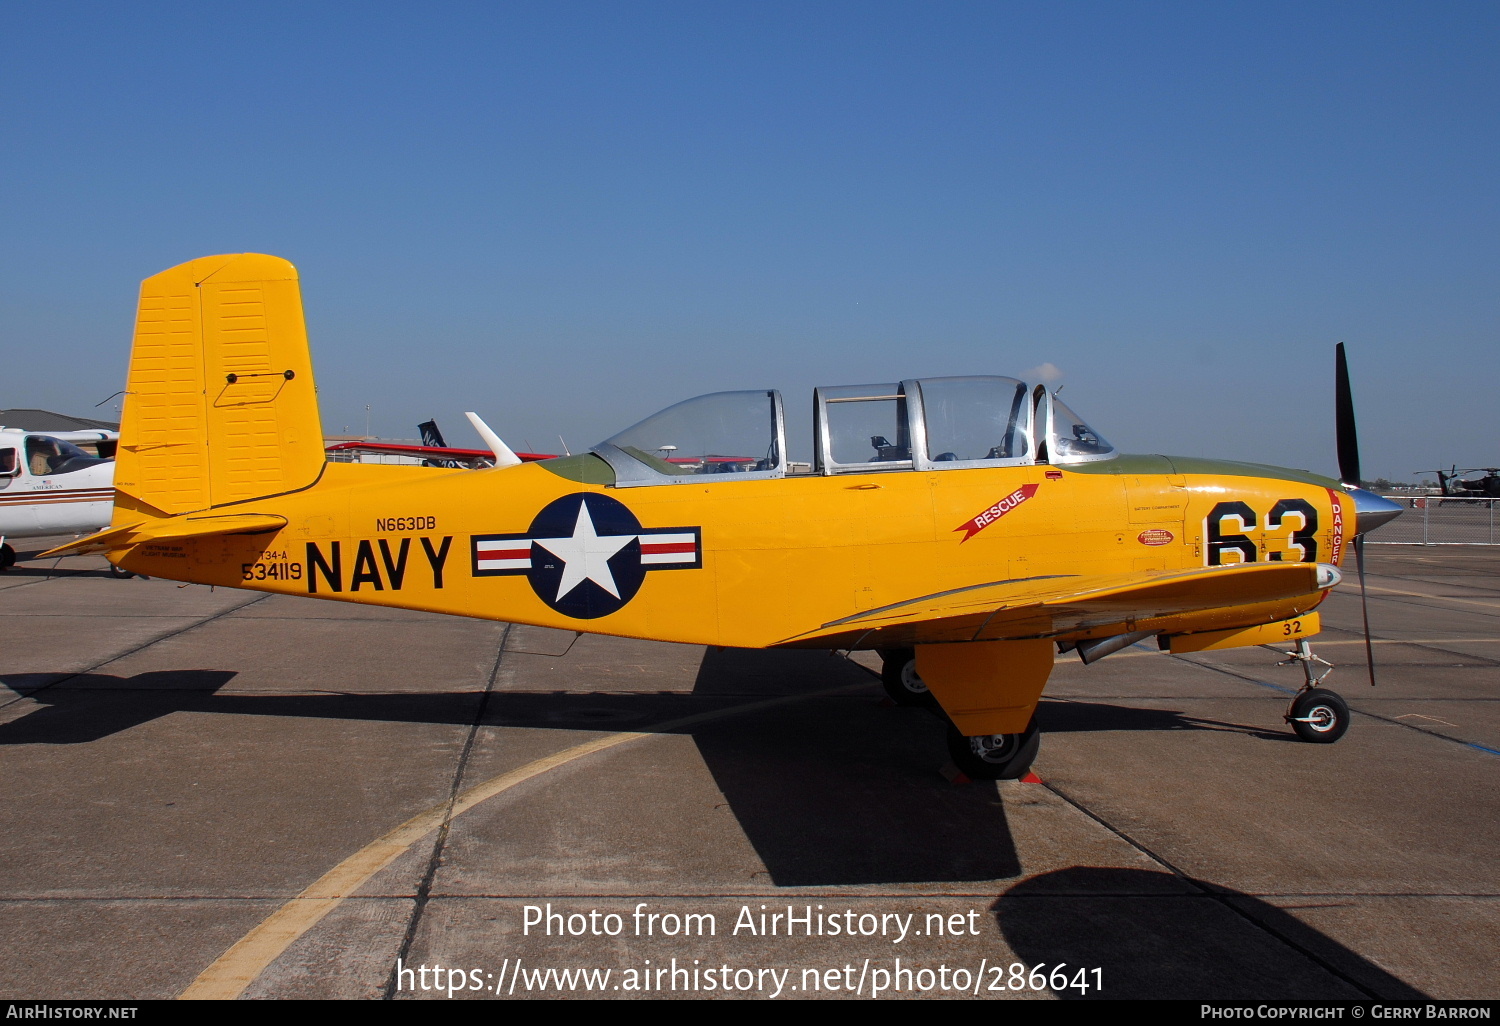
177 529
435 454
1041 606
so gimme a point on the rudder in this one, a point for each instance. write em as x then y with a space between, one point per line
219 404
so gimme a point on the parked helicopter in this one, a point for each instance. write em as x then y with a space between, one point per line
966 528
1463 484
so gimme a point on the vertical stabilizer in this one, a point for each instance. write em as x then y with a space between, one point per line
219 401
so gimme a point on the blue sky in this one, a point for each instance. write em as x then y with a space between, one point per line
567 215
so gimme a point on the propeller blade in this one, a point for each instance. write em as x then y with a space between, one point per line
1348 446
1343 414
1364 604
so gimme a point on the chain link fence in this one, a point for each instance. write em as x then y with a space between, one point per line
1440 520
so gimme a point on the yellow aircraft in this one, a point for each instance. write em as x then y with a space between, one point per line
966 528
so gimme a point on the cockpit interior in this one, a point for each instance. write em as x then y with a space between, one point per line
45 456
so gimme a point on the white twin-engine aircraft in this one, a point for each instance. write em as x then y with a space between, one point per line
49 485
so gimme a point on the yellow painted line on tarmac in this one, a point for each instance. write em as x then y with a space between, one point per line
1435 598
1413 641
234 971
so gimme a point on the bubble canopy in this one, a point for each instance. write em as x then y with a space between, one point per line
930 424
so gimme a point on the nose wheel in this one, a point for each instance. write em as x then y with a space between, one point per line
1319 715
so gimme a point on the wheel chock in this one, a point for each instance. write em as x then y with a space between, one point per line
953 774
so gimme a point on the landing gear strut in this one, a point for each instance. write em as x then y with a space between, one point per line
1316 714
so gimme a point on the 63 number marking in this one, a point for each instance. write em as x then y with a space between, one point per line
1229 524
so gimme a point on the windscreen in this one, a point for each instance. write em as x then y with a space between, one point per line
1074 439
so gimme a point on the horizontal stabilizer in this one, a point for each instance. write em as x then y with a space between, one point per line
176 529
101 541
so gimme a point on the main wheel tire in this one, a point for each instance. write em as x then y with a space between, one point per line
902 683
1319 715
7 557
120 573
995 756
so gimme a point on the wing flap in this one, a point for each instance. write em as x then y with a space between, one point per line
1041 606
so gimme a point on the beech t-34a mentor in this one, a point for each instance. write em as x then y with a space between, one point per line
967 528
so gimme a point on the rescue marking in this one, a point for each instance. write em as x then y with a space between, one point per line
995 512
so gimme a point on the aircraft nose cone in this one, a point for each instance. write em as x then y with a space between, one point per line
1372 511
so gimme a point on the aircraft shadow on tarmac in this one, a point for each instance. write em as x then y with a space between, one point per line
1072 716
839 790
830 789
1162 936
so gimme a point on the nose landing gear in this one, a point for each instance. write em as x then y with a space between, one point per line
1316 714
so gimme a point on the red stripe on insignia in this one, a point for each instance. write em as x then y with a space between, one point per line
504 553
668 547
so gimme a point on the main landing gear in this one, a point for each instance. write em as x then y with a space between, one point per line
986 757
902 683
1316 714
7 557
995 756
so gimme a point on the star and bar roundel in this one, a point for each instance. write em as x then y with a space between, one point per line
586 554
